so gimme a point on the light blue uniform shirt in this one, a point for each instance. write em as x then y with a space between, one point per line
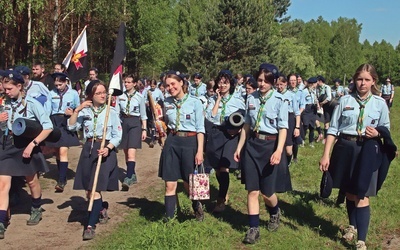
338 90
191 114
274 116
34 111
137 106
69 100
293 105
86 120
234 104
156 94
37 89
307 97
345 115
240 90
387 89
199 90
325 89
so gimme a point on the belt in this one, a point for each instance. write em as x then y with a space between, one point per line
183 133
265 137
97 140
58 115
353 138
127 116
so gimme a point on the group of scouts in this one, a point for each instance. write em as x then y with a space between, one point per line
276 111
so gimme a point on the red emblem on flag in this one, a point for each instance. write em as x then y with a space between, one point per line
76 59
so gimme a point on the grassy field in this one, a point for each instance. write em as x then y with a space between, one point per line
308 222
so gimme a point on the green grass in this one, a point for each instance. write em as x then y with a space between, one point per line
308 222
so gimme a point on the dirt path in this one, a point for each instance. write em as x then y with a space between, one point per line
61 226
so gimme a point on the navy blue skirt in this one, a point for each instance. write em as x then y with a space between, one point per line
108 175
258 173
177 158
344 163
290 139
131 133
220 149
13 164
68 138
309 115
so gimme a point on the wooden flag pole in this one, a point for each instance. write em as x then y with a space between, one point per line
103 141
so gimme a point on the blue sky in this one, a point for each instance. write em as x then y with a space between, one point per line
380 19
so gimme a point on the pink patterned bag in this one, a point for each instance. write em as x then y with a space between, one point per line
199 185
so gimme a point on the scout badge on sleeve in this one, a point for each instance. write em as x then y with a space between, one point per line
199 184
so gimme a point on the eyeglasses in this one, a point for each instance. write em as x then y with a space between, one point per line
100 93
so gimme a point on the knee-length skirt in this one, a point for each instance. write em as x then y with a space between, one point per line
257 171
131 133
177 158
343 165
220 149
13 164
309 115
108 175
68 138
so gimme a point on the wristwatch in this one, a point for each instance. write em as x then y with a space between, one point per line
36 143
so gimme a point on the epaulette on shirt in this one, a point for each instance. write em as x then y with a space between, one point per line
379 98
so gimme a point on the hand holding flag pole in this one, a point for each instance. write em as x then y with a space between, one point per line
114 89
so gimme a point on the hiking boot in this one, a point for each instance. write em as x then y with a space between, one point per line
36 216
220 206
129 182
274 221
199 213
252 235
88 234
103 216
60 186
2 230
349 233
360 245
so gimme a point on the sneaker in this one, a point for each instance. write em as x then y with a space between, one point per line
60 186
88 234
274 221
360 245
2 230
103 216
36 216
199 213
252 235
301 145
128 182
349 233
220 206
311 145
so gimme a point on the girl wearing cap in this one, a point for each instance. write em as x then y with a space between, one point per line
63 102
263 163
132 109
387 92
359 122
91 116
223 138
21 156
183 148
198 88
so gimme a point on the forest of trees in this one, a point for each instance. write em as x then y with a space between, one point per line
191 36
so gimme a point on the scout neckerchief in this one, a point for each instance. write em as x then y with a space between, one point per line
284 91
29 86
294 90
178 104
61 94
224 102
263 100
16 106
360 120
197 88
128 105
96 114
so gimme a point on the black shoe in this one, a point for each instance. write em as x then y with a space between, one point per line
252 235
60 186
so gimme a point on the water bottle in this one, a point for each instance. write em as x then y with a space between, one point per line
3 125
